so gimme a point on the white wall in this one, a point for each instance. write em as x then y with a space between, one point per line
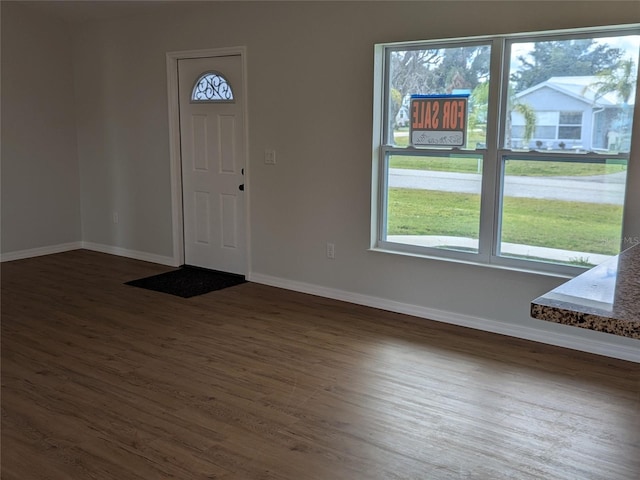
310 72
123 144
40 182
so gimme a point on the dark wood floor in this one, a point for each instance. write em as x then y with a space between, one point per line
105 381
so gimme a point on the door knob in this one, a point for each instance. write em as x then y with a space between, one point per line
241 187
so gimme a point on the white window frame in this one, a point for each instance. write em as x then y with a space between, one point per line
494 154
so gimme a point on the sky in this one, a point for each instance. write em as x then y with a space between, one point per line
629 43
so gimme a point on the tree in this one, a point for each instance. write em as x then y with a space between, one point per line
462 68
409 69
563 58
621 80
409 74
529 122
436 71
524 109
478 105
479 100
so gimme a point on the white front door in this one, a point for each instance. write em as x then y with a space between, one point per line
213 160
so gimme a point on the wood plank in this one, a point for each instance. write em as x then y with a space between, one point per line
103 380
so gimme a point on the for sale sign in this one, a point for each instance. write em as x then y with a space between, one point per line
438 120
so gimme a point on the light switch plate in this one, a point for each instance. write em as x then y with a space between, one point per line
270 157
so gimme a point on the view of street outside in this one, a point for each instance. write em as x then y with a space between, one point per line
566 97
597 189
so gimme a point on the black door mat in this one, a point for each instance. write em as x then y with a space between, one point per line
188 281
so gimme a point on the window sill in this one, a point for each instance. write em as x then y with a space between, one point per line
531 271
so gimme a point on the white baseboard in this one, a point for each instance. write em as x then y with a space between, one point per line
598 347
40 251
123 252
96 247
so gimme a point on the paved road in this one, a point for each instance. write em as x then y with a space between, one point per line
595 189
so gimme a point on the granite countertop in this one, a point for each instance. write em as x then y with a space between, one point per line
605 298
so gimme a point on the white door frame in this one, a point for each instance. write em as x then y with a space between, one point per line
174 145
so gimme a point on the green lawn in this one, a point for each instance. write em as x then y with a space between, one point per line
464 164
430 212
587 227
467 164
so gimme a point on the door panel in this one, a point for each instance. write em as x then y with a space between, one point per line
229 220
213 159
199 142
202 206
227 133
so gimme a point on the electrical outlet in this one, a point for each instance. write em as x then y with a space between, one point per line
331 250
115 217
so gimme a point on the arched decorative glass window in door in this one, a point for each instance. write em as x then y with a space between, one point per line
212 87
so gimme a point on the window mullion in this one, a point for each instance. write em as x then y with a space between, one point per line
491 170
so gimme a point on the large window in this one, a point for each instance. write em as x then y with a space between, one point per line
537 177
